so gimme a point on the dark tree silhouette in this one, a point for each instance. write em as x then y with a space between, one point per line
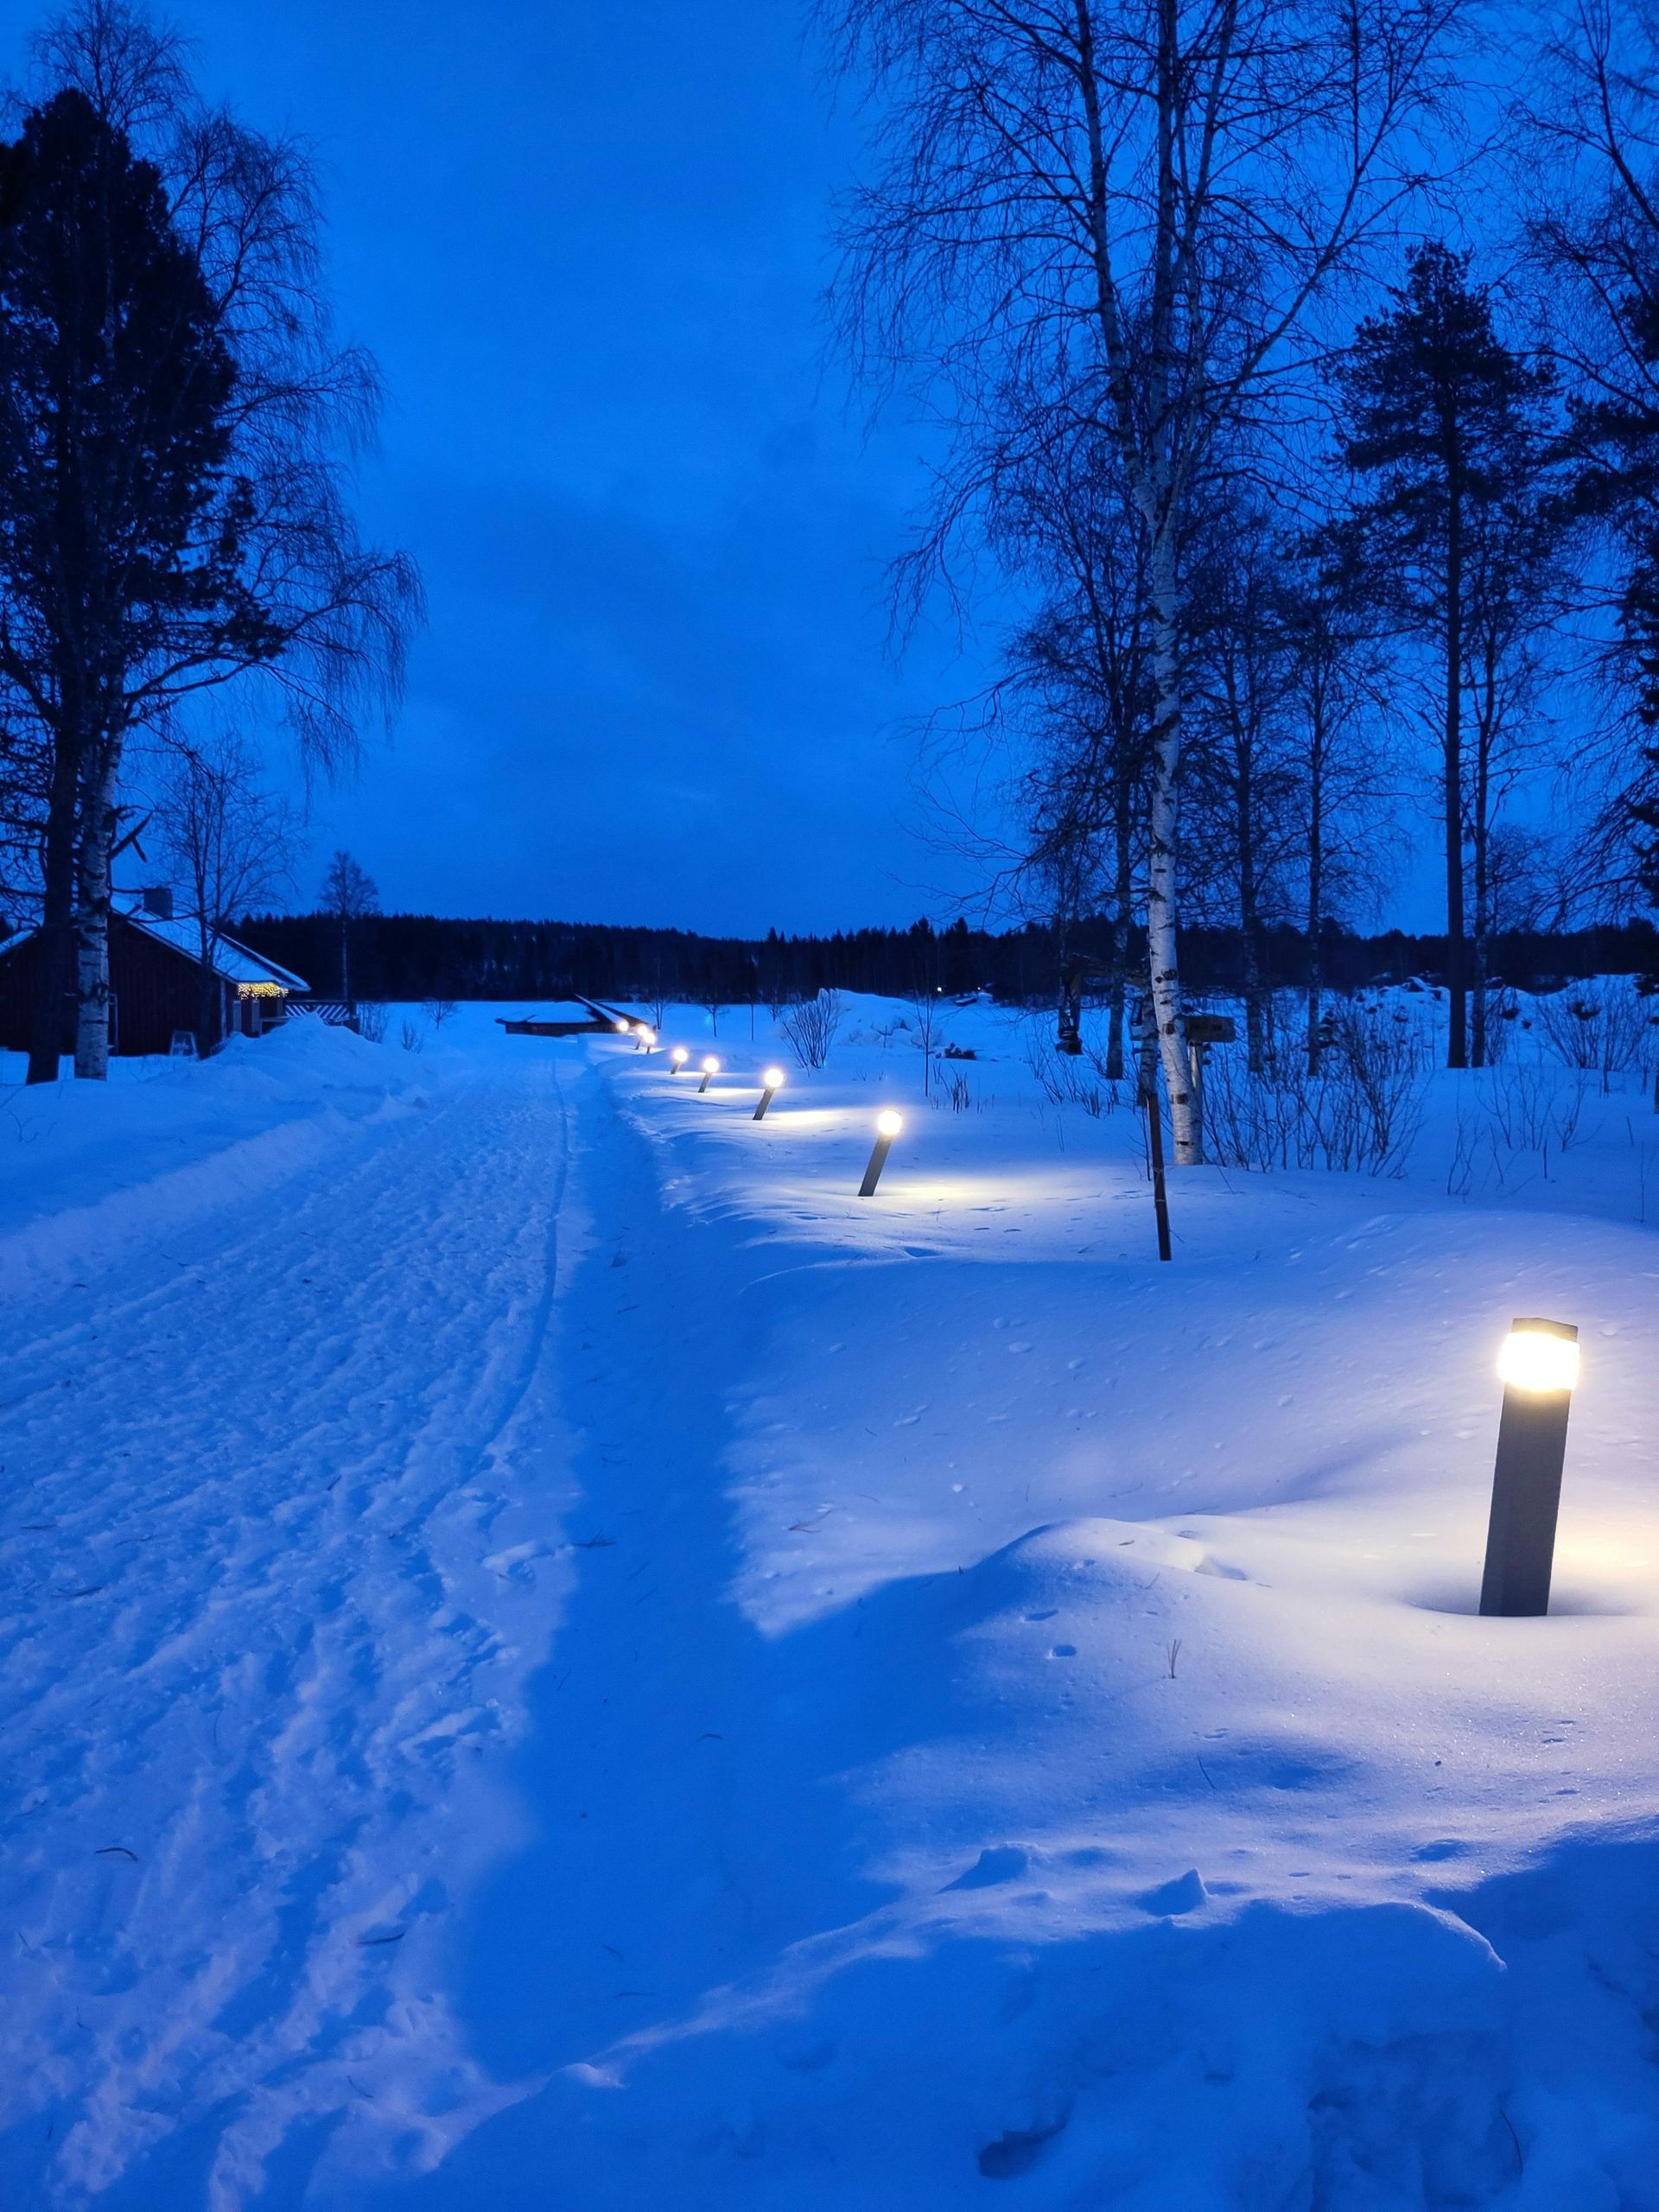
174 419
349 894
1443 420
115 531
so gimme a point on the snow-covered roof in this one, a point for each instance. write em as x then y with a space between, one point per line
235 962
232 962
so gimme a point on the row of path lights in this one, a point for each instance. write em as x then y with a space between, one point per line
1538 1366
887 1123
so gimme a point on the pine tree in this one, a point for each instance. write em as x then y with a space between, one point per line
1443 420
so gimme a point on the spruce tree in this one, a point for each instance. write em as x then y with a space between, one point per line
1443 421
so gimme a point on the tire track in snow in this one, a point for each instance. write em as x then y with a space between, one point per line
251 1539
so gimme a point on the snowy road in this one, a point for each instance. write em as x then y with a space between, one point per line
274 1504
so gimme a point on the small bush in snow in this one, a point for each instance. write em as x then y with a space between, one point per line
810 1029
1358 1112
372 1020
1604 1027
1065 1081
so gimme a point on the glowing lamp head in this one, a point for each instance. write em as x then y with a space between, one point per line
648 1035
1540 1356
711 1065
621 1028
772 1078
679 1056
889 1123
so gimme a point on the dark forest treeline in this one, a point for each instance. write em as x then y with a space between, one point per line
425 955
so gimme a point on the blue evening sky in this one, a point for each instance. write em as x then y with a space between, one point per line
587 245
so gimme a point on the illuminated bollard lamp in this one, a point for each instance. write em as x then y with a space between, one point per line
772 1082
710 1070
622 1028
1539 1364
888 1126
677 1060
645 1038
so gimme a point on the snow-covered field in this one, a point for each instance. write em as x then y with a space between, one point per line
554 1658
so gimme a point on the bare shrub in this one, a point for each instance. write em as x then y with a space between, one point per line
438 1011
810 1029
411 1037
372 1019
1358 1112
1066 1081
928 1012
1606 1028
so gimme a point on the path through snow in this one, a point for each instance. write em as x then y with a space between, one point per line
279 1503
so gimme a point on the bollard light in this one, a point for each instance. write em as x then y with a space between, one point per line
888 1126
772 1082
1538 1366
677 1060
621 1028
710 1070
645 1038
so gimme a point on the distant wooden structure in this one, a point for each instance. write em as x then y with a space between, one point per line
572 1017
155 983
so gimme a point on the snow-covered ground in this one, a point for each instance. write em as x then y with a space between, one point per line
554 1656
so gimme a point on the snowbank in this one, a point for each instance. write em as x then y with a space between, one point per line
89 1170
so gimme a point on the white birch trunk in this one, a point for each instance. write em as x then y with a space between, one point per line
1163 865
92 923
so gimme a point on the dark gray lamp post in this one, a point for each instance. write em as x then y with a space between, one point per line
1539 1365
772 1082
888 1126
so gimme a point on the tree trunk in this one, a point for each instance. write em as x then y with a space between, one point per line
1124 892
55 974
92 919
1457 965
1163 857
1483 894
210 1003
1068 1023
1315 895
1249 917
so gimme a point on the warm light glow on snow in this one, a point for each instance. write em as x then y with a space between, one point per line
1536 1358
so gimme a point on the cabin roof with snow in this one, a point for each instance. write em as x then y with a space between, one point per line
232 962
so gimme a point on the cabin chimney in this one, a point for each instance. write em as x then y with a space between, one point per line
158 900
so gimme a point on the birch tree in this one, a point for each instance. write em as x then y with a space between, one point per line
1137 204
1077 697
230 841
1337 697
349 894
